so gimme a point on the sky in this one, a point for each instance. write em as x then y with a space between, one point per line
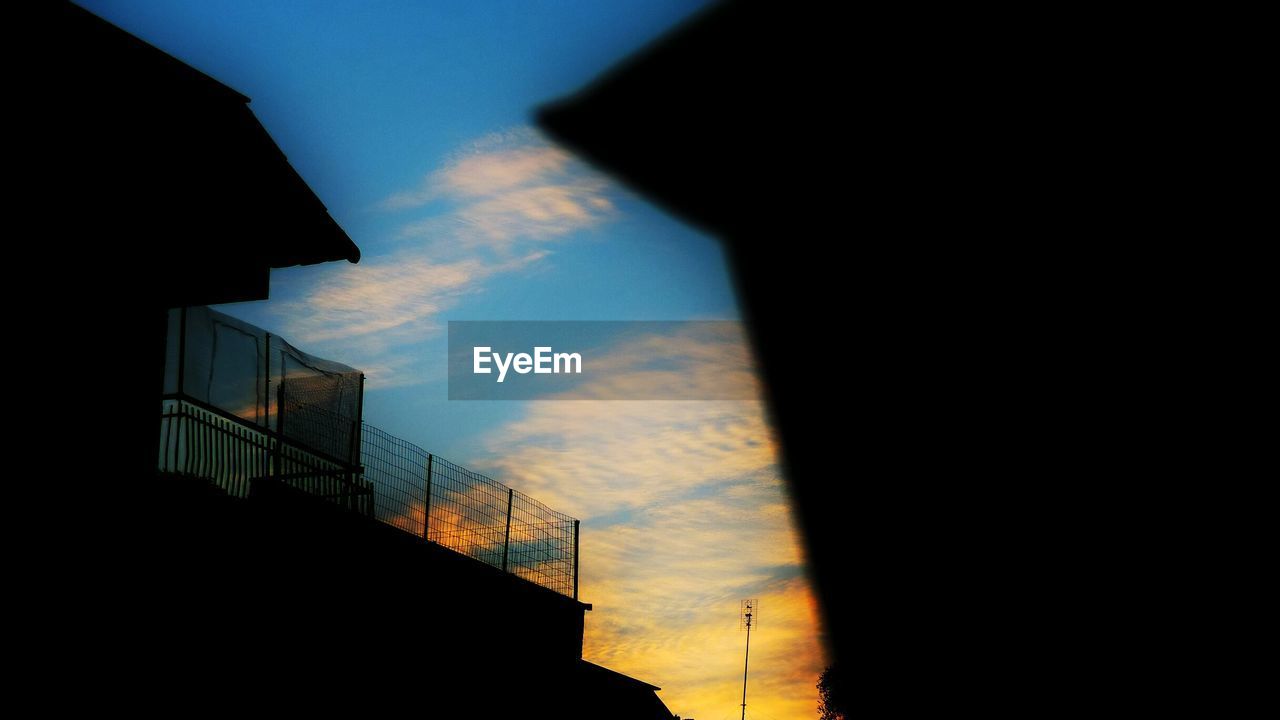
413 124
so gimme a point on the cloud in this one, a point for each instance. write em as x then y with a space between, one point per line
489 210
696 360
592 459
684 513
372 314
698 663
486 169
503 190
398 293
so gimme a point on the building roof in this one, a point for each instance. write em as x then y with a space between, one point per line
615 677
601 692
181 126
678 121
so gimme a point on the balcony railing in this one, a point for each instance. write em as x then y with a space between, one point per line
462 510
396 482
200 440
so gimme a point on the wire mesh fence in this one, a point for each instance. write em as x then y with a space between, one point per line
241 404
469 513
541 544
302 416
396 482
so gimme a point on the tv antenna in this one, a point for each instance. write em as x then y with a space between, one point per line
748 615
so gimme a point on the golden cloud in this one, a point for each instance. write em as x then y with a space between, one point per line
684 513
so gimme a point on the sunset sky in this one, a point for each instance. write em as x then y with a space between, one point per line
412 122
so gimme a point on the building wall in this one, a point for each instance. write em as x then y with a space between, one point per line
323 603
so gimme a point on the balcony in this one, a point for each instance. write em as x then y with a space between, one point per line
243 407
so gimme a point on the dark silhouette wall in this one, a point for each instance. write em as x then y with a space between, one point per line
153 186
149 185
730 123
890 193
336 611
816 144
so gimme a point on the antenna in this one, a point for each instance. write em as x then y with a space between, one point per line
748 615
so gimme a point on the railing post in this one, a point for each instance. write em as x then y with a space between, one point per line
426 503
506 544
279 438
266 387
359 410
576 524
182 350
356 429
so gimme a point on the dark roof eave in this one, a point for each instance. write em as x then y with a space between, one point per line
339 247
294 225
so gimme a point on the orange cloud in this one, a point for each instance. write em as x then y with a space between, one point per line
698 663
684 513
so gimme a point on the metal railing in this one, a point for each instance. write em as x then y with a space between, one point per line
397 483
471 514
203 441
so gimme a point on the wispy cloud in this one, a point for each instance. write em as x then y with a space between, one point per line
684 513
703 360
493 164
487 211
398 295
502 190
375 314
592 459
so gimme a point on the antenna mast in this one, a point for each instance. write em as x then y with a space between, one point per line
747 615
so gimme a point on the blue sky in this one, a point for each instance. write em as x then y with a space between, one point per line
413 124
368 98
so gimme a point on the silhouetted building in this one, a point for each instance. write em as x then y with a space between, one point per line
612 694
272 482
254 570
163 190
181 163
737 121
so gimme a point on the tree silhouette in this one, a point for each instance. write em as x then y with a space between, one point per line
833 703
